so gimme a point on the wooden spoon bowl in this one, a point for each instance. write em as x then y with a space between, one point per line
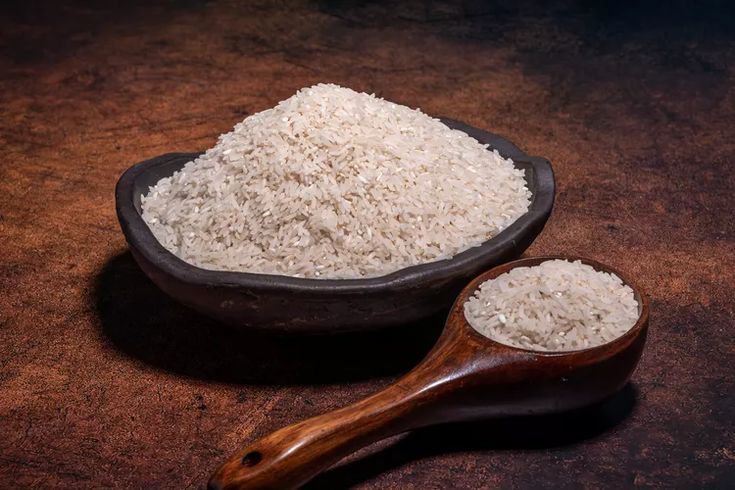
466 376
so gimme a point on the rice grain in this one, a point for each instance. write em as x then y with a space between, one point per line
555 306
332 183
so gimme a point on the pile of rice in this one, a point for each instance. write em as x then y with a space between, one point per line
332 183
555 306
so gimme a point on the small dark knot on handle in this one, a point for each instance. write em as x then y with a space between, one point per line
252 458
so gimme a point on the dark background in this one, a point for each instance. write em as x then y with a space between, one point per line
106 382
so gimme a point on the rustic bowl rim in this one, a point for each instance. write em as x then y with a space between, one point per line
140 237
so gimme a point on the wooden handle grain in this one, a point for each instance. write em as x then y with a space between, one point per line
291 456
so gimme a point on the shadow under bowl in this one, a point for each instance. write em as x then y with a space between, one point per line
289 304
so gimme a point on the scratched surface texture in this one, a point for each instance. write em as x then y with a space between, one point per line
104 382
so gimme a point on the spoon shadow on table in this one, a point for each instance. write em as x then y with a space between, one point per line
144 323
528 433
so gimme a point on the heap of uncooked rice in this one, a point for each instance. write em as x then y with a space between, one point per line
332 183
555 306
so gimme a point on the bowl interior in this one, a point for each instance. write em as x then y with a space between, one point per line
515 238
288 304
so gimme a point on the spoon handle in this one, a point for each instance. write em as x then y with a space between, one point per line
293 455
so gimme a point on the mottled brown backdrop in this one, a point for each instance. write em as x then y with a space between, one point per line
106 382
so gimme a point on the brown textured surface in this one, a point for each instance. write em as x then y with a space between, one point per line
105 382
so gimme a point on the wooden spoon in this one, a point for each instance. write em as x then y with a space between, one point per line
466 376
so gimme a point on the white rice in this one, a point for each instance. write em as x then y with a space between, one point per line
332 183
555 306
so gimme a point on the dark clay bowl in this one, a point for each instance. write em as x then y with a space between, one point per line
289 304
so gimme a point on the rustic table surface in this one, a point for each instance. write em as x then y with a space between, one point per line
106 382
